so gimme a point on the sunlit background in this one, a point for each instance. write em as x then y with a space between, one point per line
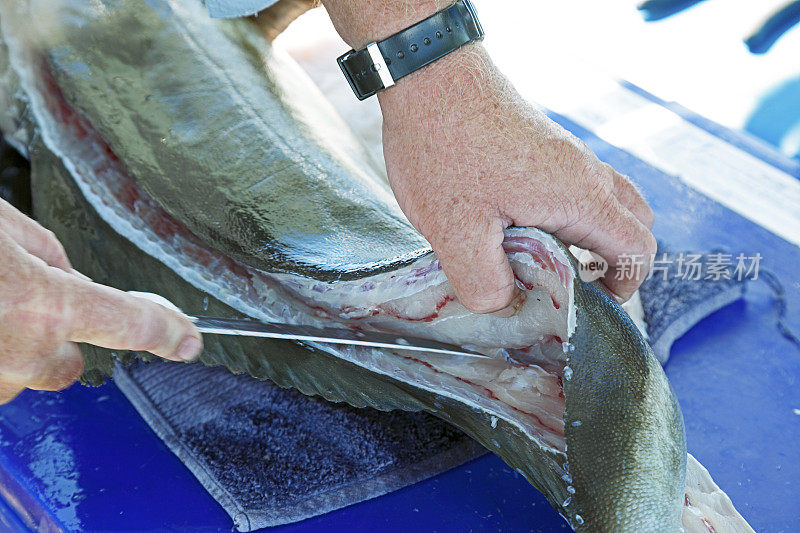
563 53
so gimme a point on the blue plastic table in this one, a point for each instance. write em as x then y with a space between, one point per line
84 459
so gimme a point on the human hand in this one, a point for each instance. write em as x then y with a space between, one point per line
46 307
467 156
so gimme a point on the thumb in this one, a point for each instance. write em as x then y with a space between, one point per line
110 318
477 267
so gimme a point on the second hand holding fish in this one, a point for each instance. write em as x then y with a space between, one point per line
467 156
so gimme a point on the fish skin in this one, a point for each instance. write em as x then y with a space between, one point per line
626 459
306 199
631 439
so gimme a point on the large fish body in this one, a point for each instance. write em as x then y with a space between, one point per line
177 154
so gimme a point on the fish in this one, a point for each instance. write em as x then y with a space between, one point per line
180 155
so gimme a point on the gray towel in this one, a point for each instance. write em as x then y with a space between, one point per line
272 456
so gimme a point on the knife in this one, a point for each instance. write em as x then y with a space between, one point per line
331 335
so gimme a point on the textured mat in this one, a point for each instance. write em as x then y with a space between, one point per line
674 300
272 456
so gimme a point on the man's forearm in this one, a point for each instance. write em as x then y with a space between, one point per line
360 22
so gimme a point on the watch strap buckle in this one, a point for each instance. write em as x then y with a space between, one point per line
366 71
381 64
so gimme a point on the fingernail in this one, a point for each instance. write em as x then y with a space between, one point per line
513 307
189 348
81 275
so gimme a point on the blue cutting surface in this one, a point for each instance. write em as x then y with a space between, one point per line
84 459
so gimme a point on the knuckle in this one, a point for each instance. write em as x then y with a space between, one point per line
148 333
638 240
620 181
53 309
47 236
51 241
650 244
596 194
68 373
566 144
145 337
647 215
599 207
35 316
581 166
52 249
629 238
586 166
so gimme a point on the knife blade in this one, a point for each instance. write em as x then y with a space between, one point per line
331 335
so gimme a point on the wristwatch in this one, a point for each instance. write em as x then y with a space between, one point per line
381 64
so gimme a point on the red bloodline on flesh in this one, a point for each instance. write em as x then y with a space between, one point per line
557 431
688 503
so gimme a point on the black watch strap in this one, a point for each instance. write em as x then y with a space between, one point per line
380 64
